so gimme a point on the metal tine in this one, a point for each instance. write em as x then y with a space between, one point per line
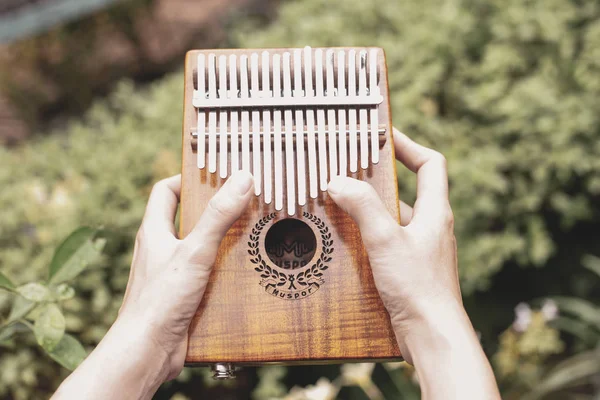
331 115
256 164
223 123
349 130
363 114
245 114
352 124
233 85
341 91
310 125
322 152
201 150
212 115
289 137
299 128
374 114
278 164
266 128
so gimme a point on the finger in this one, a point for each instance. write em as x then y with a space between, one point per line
162 206
432 174
406 213
222 211
361 201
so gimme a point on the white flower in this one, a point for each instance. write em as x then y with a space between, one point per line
357 374
523 317
549 310
322 390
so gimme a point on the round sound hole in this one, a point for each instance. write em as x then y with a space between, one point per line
290 243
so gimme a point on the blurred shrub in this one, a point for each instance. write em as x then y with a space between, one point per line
507 90
525 347
41 76
98 172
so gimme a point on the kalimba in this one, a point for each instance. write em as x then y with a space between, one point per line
292 282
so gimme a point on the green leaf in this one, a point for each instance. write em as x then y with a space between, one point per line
63 292
577 328
8 331
592 263
74 255
20 308
49 327
68 352
34 292
587 311
573 371
5 283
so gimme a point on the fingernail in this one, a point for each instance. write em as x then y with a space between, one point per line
336 185
241 181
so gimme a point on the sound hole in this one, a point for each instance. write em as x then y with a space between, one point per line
290 243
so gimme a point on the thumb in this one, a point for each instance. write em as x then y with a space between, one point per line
225 207
377 227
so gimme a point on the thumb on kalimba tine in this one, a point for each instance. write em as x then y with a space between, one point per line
363 204
225 207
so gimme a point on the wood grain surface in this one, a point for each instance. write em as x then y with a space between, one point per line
239 321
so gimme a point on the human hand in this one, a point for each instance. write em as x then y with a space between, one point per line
169 275
414 264
147 343
415 270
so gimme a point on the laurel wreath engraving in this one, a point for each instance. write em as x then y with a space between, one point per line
312 275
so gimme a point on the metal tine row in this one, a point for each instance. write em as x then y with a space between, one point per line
287 78
362 56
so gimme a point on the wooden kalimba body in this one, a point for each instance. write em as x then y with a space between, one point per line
292 282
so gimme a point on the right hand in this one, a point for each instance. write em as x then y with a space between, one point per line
414 264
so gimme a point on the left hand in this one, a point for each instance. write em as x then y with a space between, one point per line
148 342
169 275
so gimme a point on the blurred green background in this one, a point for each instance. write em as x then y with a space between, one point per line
507 90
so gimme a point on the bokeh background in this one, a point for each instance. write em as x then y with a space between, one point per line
508 90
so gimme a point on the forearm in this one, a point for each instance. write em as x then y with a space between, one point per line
446 353
125 365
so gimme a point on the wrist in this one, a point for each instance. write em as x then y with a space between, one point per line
429 325
125 359
442 345
143 360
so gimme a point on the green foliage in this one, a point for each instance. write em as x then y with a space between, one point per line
507 90
74 255
41 302
68 352
35 292
5 283
270 385
39 72
521 354
98 172
49 326
20 308
569 374
583 368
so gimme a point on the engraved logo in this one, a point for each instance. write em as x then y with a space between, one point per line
290 246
